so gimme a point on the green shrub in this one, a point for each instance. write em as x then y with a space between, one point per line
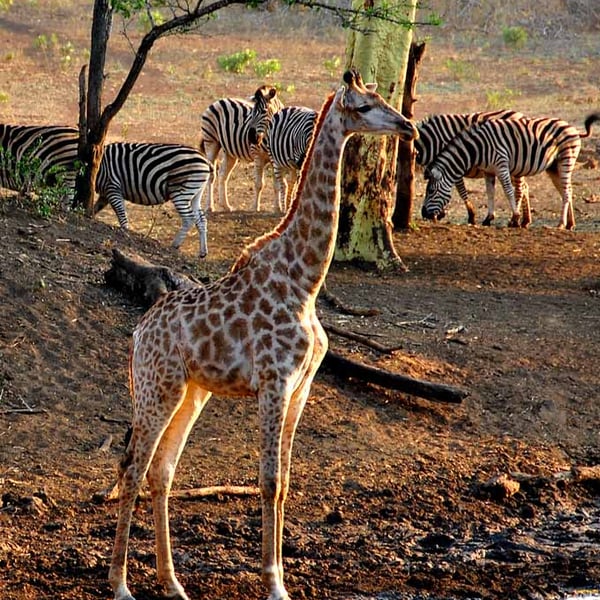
503 99
462 70
46 189
514 37
332 65
265 68
237 62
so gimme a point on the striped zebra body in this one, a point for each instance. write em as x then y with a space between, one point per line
436 131
233 125
285 146
509 148
49 149
150 174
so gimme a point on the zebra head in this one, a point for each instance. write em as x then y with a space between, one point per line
437 194
265 105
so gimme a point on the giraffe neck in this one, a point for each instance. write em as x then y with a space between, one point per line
312 222
305 238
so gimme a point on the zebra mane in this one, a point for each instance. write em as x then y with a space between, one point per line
259 242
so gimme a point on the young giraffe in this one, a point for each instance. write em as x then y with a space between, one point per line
254 332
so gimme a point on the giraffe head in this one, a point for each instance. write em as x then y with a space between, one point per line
265 105
363 110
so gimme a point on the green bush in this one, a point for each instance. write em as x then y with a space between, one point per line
46 189
332 65
265 68
496 100
514 37
237 62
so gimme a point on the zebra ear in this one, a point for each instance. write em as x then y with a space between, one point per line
272 93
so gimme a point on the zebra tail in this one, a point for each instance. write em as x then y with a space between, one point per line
588 124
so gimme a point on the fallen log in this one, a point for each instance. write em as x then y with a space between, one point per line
145 282
345 368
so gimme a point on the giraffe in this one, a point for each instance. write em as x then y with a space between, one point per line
254 332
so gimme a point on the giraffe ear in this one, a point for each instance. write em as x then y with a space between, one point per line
371 86
340 96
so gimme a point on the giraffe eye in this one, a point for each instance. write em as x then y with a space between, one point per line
364 108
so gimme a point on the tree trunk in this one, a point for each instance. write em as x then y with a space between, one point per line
146 283
369 169
405 192
92 129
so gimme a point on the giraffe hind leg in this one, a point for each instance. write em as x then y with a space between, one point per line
147 432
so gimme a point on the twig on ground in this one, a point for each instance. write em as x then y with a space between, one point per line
358 337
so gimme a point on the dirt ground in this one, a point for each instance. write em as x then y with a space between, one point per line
393 497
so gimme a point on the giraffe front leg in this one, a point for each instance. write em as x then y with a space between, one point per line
270 481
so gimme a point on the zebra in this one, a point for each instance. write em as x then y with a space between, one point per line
226 125
285 146
508 148
50 151
436 131
152 173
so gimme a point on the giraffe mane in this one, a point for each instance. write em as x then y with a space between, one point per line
259 242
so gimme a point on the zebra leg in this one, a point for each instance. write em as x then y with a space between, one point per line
462 190
291 187
561 178
522 195
227 166
200 221
281 188
260 160
211 150
490 190
117 201
505 179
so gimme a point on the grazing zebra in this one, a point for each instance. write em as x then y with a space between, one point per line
226 125
151 174
285 146
49 150
506 148
436 131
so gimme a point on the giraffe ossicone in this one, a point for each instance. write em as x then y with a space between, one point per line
254 332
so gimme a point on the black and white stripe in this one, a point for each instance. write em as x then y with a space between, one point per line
150 174
436 131
48 150
233 125
506 148
285 146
